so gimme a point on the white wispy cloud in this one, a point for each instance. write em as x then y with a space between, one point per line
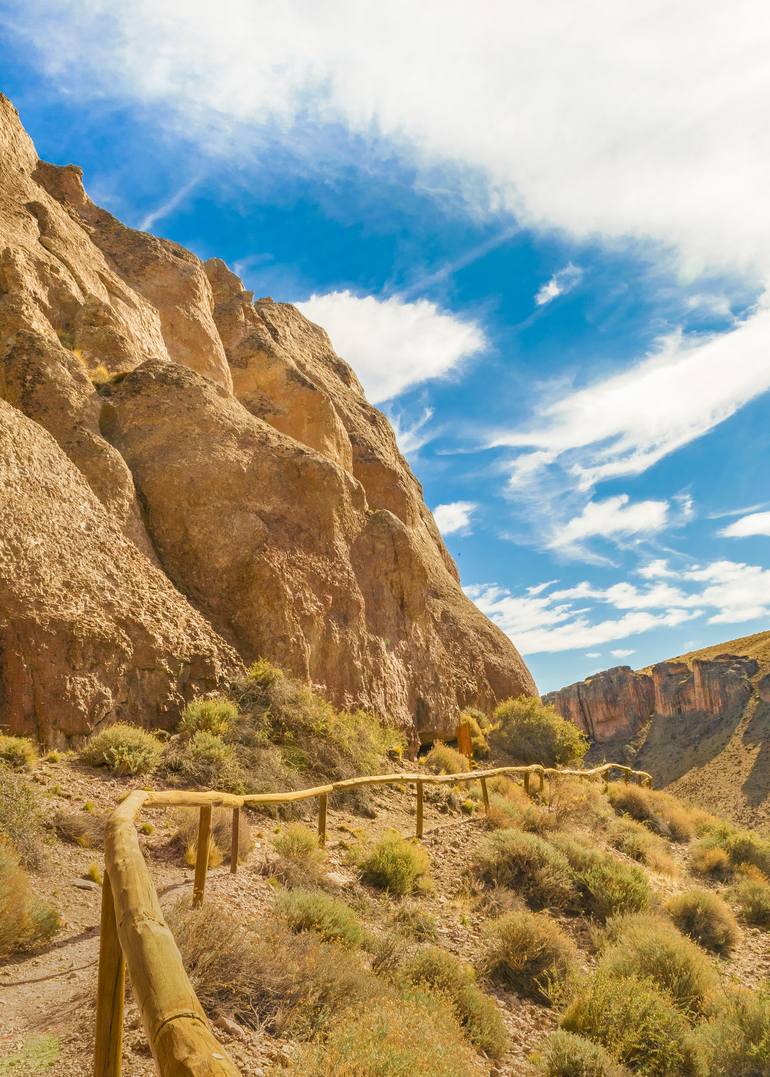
610 518
454 517
393 344
168 205
622 652
755 523
412 435
560 283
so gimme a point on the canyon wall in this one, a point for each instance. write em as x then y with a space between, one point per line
189 480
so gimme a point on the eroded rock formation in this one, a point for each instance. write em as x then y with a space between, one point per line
619 701
217 480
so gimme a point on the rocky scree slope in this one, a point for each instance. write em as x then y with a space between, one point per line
190 480
699 723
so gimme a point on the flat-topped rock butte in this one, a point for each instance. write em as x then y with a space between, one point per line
192 480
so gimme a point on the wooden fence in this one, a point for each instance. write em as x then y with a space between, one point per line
135 934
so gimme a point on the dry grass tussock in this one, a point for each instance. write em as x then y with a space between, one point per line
21 820
394 864
25 920
81 828
634 840
529 865
17 752
124 749
605 885
443 759
661 812
530 953
706 918
751 895
186 836
566 1055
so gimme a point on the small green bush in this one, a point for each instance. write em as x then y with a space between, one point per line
648 948
25 920
752 896
711 861
123 748
706 919
530 953
214 715
21 821
395 864
566 1055
606 885
443 759
439 970
17 752
529 731
635 1021
659 811
736 1043
527 864
636 841
301 857
313 910
205 760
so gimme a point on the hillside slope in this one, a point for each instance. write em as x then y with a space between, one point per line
699 722
234 451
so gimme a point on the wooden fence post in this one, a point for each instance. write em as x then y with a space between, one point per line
322 805
110 992
485 795
235 840
202 857
626 775
464 741
526 783
418 821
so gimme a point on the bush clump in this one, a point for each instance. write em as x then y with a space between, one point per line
313 910
566 1055
21 821
605 885
530 953
443 759
411 919
706 919
204 759
395 864
527 864
529 731
635 1021
659 811
301 858
17 752
746 847
438 970
736 1043
25 920
81 828
648 948
710 861
123 749
637 842
215 715
752 897
510 805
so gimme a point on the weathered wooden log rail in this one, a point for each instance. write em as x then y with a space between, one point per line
135 935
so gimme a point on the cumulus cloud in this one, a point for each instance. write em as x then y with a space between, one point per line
560 283
393 344
665 139
610 518
755 523
454 517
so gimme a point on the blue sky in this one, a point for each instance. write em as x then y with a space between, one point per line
541 236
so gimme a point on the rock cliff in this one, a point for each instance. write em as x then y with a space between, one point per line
189 480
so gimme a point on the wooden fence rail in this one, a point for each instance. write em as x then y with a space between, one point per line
135 936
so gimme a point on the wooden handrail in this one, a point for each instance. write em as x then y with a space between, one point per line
135 936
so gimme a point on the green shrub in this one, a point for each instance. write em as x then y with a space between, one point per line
527 864
746 847
204 759
122 748
711 861
442 759
530 953
736 1043
17 752
301 857
313 910
566 1055
635 1021
25 920
659 811
513 808
214 715
415 1036
412 919
21 822
647 948
637 842
706 919
752 896
533 732
394 864
477 1013
606 886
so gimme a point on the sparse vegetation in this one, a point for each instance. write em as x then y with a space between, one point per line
80 828
635 1021
439 970
314 910
301 858
736 1043
529 865
529 731
395 864
443 759
37 1054
566 1055
21 822
530 953
710 861
752 897
17 752
94 874
204 759
705 918
25 920
211 715
636 841
124 749
411 919
659 811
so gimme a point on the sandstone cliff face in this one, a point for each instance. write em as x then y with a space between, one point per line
233 465
618 702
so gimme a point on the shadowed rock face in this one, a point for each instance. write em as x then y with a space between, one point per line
618 702
232 464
